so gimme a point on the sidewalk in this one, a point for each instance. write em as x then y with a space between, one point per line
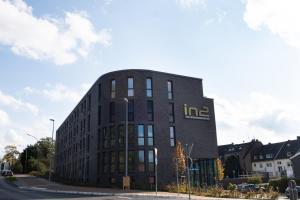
38 184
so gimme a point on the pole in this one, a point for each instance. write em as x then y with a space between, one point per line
126 138
189 183
155 154
177 176
38 161
50 157
188 155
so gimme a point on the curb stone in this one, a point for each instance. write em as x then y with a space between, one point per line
98 193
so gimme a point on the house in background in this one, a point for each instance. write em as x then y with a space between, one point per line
274 159
242 153
296 164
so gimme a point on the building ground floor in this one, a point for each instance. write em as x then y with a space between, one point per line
203 172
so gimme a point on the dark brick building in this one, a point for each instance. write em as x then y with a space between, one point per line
162 109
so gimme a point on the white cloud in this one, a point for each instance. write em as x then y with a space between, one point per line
261 117
192 4
60 92
281 17
17 104
59 40
4 118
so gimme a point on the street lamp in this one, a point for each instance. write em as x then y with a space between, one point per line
37 149
50 157
188 156
126 180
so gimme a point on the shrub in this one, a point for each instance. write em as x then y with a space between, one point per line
35 173
279 184
38 165
254 180
231 187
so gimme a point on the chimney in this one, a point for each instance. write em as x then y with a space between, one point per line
298 137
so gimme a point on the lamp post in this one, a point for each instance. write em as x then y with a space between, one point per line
37 149
188 156
155 154
126 180
126 137
177 176
50 157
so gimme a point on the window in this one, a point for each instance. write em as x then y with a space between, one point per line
141 165
279 162
99 92
89 102
151 160
255 157
171 112
172 136
261 157
112 162
105 162
261 165
269 164
131 159
121 136
99 115
88 143
99 139
150 110
141 135
89 123
254 165
269 155
130 87
149 87
170 90
112 111
121 162
150 135
130 110
131 135
105 138
112 132
113 89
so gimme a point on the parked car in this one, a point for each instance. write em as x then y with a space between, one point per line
7 173
245 187
287 191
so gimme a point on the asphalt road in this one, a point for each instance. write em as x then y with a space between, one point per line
9 191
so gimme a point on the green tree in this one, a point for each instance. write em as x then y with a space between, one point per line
232 167
32 153
11 154
179 158
17 167
220 169
38 156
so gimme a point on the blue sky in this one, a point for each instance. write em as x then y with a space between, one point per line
246 51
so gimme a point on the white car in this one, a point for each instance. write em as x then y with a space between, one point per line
7 173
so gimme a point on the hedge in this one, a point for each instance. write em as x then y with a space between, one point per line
281 184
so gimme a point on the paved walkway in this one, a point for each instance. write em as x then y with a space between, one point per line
39 184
